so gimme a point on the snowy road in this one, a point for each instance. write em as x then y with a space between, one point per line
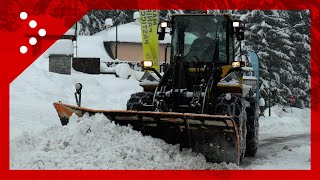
272 146
267 146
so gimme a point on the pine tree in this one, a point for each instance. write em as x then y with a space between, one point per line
300 28
270 35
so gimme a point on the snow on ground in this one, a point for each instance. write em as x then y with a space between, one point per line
123 71
38 141
97 143
291 158
285 122
33 93
284 140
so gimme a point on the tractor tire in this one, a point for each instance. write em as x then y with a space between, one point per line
138 99
252 132
224 107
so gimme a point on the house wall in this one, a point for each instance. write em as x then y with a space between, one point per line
134 52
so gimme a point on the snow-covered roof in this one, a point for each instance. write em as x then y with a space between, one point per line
71 31
90 46
130 32
62 46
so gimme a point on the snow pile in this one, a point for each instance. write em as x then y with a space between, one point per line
284 123
33 93
96 143
123 70
104 68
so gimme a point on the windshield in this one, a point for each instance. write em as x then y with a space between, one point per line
200 38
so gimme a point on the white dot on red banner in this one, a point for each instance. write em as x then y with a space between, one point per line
33 24
33 41
42 32
23 49
23 15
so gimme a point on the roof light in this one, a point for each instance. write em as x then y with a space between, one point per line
236 24
164 24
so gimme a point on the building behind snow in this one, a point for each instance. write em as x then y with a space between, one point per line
129 47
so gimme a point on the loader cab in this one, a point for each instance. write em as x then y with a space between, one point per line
202 53
187 31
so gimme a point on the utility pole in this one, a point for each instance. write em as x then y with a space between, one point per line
76 29
116 21
116 52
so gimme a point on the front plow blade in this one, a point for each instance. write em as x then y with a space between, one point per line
215 136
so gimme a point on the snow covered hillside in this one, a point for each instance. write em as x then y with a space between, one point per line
38 141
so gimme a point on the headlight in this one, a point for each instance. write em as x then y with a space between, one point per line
236 64
147 63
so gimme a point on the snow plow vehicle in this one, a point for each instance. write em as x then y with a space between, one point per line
207 99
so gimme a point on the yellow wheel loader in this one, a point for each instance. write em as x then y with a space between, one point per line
207 99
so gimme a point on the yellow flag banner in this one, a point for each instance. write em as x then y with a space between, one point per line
149 24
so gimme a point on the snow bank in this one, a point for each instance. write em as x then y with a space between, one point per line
105 69
96 143
33 93
123 71
283 123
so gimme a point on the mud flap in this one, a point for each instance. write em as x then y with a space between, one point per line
215 136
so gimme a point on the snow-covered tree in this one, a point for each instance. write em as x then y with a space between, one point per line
94 21
299 22
271 35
